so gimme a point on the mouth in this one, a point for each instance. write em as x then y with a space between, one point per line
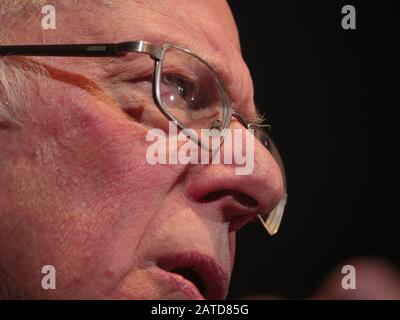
198 271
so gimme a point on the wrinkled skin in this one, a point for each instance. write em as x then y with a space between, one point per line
76 190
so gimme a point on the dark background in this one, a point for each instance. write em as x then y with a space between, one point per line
331 96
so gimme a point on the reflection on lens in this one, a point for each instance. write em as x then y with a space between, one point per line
190 91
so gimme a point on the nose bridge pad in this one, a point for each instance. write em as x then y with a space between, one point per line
215 124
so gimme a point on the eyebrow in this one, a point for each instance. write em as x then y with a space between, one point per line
255 116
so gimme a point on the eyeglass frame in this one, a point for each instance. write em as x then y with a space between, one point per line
156 52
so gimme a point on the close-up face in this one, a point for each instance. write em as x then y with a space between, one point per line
77 190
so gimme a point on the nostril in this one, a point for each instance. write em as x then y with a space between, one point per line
240 197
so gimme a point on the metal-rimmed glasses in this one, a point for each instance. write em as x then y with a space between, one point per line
186 89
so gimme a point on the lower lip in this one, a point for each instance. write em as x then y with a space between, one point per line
181 284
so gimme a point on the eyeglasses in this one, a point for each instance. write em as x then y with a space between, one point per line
186 89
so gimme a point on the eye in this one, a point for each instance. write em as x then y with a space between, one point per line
181 92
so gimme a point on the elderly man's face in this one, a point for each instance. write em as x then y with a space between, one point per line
76 189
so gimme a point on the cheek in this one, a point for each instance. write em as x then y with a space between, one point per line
81 193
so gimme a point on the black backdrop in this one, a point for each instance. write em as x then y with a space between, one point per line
331 96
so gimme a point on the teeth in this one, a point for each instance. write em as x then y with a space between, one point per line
191 275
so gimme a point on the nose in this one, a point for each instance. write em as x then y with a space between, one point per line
240 198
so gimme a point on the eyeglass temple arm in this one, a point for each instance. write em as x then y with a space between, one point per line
81 50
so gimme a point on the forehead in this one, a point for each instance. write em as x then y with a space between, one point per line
190 22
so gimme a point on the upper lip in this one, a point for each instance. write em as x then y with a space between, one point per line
214 280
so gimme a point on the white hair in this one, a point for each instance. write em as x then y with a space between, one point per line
13 72
10 97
